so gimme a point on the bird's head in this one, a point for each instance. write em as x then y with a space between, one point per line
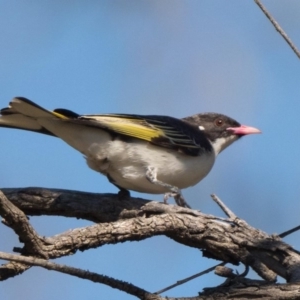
221 130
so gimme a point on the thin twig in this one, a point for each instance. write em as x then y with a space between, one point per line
278 28
226 210
286 233
179 282
114 283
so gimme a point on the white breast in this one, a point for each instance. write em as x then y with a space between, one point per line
127 163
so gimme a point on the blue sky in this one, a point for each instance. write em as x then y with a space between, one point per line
167 57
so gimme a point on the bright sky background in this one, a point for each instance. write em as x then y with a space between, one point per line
166 57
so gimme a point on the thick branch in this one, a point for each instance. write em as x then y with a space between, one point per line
89 206
136 219
252 289
17 220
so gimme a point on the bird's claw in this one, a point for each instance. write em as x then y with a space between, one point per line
179 199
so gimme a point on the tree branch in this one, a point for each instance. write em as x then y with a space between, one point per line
239 288
17 220
242 288
225 209
228 240
278 28
114 283
182 281
94 207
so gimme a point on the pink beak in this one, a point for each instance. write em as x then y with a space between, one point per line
244 130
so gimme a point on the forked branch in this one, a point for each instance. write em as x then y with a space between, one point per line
228 240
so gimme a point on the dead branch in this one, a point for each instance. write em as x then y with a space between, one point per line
278 28
114 283
228 240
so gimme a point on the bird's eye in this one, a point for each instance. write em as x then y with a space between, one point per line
219 122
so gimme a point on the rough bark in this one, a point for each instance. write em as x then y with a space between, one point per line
133 219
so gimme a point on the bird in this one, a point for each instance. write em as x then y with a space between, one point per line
151 154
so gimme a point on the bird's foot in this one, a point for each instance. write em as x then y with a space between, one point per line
175 192
179 199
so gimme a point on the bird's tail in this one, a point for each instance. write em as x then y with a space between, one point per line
65 124
23 114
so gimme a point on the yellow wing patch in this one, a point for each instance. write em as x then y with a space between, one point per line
137 128
60 116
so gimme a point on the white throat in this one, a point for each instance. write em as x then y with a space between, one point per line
223 142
